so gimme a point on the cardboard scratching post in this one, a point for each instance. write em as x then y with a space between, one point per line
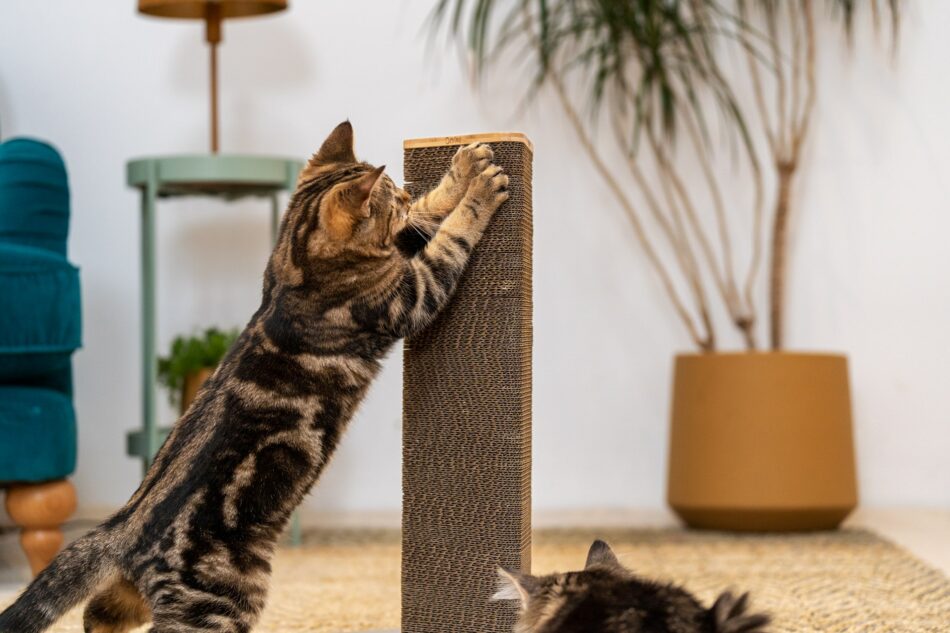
467 415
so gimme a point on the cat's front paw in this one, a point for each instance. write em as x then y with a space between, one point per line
489 189
469 161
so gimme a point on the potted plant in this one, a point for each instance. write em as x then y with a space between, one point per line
191 361
760 438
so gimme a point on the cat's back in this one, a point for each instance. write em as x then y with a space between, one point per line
630 606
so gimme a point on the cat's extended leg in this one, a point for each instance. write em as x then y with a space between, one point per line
468 162
432 275
202 603
116 609
200 622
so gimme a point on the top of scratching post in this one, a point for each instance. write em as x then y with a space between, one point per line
465 139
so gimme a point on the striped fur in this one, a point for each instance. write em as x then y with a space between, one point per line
606 598
356 267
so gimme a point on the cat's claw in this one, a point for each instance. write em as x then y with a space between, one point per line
490 188
471 160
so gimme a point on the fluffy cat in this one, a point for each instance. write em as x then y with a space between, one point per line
606 598
356 267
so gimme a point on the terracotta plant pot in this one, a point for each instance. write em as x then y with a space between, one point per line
761 442
193 383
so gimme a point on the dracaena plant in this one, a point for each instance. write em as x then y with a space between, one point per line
653 70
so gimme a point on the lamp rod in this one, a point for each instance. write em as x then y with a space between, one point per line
213 36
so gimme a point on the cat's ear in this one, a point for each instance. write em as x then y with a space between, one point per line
338 148
513 585
601 555
356 194
349 205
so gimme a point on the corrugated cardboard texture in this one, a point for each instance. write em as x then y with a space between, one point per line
467 418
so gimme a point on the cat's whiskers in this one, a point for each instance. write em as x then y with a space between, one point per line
423 225
426 213
417 230
426 224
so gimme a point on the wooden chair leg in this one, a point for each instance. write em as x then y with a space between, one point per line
40 510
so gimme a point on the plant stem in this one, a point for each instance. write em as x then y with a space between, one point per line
757 88
786 173
705 343
667 178
755 263
674 231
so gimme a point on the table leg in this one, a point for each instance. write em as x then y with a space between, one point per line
149 362
296 530
274 217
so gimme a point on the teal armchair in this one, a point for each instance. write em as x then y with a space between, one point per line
39 330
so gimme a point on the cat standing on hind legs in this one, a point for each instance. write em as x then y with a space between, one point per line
356 267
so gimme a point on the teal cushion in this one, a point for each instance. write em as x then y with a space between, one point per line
37 435
40 320
34 195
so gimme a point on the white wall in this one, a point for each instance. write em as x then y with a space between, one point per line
870 272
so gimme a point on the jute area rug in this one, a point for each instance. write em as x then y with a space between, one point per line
849 581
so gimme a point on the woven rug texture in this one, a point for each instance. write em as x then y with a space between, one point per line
839 582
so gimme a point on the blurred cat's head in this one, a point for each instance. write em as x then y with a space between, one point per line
607 598
342 207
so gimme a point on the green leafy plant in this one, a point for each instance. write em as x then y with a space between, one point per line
654 69
190 354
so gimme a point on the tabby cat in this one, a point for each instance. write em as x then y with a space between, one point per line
606 598
357 266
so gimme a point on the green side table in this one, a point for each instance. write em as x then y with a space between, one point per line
227 177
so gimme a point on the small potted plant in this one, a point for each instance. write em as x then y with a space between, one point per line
191 361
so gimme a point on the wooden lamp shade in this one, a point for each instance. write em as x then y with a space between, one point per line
212 12
198 9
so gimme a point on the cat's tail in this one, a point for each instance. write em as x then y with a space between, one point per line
730 615
72 575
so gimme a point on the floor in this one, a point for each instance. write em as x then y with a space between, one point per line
923 532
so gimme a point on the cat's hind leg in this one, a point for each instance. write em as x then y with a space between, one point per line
187 610
116 609
208 623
